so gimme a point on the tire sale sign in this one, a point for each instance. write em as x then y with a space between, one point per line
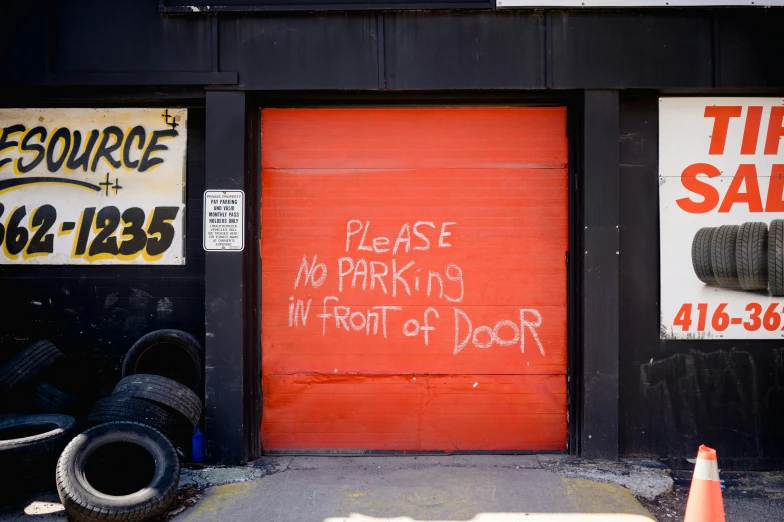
721 202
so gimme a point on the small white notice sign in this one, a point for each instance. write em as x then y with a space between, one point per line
224 220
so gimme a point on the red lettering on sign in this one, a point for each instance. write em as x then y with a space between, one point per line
747 173
751 130
775 202
721 122
775 130
709 194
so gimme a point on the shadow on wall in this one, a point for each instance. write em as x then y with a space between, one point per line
714 398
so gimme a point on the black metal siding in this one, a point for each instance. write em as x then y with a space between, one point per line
395 50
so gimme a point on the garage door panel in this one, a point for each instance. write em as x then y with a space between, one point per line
537 226
414 138
331 347
430 413
535 294
497 233
288 252
349 407
285 183
465 193
464 206
348 185
361 209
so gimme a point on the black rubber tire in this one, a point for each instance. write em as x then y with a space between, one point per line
26 366
10 345
48 398
164 392
776 258
85 503
29 454
170 353
121 408
701 255
723 258
751 256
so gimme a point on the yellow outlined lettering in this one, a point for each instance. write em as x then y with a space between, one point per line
76 236
62 232
8 254
44 183
102 255
31 234
21 152
8 137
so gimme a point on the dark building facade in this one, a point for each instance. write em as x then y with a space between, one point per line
617 385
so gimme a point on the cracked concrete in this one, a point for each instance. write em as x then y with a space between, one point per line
481 488
641 481
216 476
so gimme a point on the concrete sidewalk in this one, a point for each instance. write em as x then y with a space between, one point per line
404 489
477 488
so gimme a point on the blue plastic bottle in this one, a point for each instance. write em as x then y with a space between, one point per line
197 446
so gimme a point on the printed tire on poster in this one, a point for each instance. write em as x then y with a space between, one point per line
721 198
92 186
701 255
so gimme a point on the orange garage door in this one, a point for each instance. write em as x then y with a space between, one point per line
414 279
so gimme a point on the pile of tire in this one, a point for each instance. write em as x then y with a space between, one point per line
741 257
126 466
43 397
36 377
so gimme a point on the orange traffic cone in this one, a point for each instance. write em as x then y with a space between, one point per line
705 503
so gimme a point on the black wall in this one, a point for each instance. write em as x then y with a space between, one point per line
131 42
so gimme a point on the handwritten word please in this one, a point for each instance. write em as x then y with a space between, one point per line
403 241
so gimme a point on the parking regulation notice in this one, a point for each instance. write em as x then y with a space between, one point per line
224 220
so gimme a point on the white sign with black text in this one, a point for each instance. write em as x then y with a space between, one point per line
92 186
224 220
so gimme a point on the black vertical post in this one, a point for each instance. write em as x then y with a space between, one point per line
224 286
600 275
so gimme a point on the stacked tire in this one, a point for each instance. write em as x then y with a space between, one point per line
43 414
118 471
29 448
36 377
159 402
126 466
746 257
22 370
